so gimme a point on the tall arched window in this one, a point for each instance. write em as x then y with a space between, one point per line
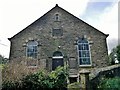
32 49
84 52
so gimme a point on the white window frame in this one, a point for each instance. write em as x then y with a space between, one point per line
82 65
32 47
57 57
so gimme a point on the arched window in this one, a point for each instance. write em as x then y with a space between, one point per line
84 52
56 17
32 49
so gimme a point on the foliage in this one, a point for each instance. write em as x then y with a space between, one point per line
13 73
112 56
55 79
2 66
118 53
3 60
39 80
74 86
17 69
31 82
115 53
110 84
10 85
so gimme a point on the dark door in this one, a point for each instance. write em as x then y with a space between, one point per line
73 79
57 62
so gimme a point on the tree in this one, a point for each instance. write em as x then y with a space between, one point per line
118 53
114 55
3 60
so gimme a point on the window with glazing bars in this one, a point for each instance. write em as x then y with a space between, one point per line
32 49
84 52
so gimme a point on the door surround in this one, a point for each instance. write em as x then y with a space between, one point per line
57 60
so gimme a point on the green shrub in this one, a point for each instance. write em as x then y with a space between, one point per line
39 80
111 84
55 79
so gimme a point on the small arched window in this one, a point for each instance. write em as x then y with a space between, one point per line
56 17
32 49
84 52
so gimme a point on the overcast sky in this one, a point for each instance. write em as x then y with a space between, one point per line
15 15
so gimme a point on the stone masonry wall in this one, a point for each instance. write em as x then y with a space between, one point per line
41 31
97 74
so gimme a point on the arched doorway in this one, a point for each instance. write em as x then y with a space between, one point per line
57 60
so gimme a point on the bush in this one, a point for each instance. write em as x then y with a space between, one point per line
13 73
31 82
56 79
39 80
17 68
111 84
10 85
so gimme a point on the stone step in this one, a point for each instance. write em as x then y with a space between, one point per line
73 71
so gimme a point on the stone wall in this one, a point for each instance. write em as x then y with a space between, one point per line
107 72
72 27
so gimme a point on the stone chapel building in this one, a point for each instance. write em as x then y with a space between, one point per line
58 38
